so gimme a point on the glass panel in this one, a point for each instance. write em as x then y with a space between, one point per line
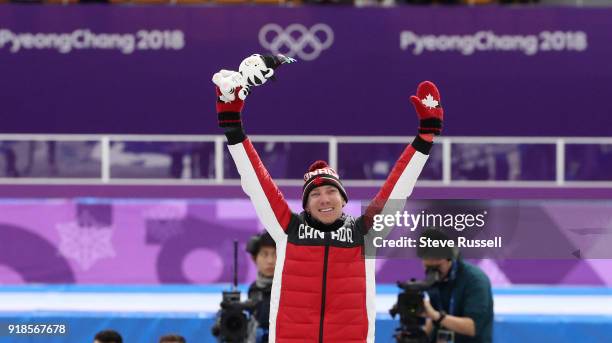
504 162
374 161
588 162
174 160
50 159
282 159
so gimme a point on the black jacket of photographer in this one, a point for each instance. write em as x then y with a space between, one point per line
466 292
260 295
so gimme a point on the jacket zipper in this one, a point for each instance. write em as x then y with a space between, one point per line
327 236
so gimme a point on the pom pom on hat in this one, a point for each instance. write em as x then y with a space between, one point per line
320 164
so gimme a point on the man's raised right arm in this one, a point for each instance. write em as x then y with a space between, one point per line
269 203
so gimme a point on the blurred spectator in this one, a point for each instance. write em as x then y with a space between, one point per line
588 162
337 2
51 157
427 2
465 2
507 162
10 159
276 158
473 162
537 162
190 160
108 336
29 155
519 1
185 160
172 339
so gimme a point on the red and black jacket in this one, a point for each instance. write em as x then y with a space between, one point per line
323 289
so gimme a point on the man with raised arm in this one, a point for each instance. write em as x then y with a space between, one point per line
323 287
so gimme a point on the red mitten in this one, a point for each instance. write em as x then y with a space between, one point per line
228 113
229 105
428 108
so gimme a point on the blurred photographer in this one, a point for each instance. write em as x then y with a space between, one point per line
460 304
248 321
263 251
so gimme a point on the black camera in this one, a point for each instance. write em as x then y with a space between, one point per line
233 319
410 308
232 322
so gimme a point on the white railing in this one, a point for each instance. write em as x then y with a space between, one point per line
106 178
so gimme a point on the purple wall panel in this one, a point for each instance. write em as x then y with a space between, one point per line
534 71
91 241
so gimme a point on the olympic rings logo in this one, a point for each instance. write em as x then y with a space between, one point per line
296 40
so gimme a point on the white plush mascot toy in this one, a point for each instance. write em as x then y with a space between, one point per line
254 70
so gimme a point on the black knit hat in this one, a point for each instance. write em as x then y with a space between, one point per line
320 174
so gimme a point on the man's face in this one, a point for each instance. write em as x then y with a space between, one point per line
325 204
443 265
265 261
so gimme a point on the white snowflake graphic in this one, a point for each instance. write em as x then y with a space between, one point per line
85 245
429 101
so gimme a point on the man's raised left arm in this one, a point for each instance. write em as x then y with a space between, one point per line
408 167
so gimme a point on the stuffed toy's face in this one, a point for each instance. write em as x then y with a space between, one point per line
254 70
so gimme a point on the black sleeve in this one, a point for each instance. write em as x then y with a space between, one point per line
421 145
235 135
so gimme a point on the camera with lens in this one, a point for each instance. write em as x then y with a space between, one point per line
410 308
233 320
232 324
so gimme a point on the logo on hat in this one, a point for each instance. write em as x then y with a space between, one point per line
319 174
296 39
321 171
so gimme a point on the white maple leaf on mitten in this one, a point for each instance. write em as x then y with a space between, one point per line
228 81
429 101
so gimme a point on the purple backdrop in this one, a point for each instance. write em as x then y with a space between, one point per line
534 71
90 241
